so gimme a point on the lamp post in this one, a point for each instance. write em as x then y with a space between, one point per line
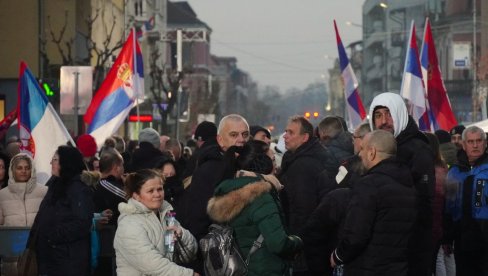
385 48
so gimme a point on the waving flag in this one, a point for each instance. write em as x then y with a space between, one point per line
41 131
440 107
413 86
118 93
7 122
354 105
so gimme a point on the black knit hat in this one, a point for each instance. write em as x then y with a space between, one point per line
205 131
457 130
255 129
443 136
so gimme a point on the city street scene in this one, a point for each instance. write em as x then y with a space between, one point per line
277 137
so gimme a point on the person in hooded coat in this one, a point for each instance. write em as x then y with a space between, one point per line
389 112
249 202
65 217
20 200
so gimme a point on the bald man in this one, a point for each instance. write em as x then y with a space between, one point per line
233 130
381 213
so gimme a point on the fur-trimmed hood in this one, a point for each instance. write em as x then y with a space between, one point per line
225 207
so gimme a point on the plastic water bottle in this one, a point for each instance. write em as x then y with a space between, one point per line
169 242
338 270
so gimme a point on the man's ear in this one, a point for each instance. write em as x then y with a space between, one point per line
306 137
372 153
219 140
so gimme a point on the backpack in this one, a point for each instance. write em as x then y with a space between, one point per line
221 254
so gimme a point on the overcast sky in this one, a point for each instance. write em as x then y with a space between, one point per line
287 43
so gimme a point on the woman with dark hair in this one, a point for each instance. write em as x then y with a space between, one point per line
250 204
65 217
173 187
139 242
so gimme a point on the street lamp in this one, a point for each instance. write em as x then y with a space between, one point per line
383 5
350 23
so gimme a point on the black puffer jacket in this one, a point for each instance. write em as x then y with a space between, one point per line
63 244
379 221
300 174
413 149
324 227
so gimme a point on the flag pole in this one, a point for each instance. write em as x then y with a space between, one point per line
134 54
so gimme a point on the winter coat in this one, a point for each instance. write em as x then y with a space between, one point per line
64 224
192 206
414 150
466 210
341 147
19 201
145 157
379 221
139 242
246 203
301 177
109 192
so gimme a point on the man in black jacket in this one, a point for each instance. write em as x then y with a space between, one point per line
389 112
233 130
108 194
380 215
303 168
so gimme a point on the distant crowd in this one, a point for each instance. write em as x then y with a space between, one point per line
386 199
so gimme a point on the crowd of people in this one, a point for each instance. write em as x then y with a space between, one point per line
386 199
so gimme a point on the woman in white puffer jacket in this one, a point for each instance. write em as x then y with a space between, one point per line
20 200
139 240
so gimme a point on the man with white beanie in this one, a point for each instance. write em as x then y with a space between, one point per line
389 112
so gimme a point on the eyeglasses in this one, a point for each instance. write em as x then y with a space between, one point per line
54 159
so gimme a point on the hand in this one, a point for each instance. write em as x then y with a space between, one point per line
332 262
195 274
106 215
178 231
447 249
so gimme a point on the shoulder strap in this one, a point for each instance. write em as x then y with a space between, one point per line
255 246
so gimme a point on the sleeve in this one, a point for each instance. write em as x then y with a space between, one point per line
266 215
134 246
78 227
189 242
359 222
1 214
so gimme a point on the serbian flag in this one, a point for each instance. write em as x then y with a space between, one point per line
41 131
440 107
413 86
354 105
118 93
7 122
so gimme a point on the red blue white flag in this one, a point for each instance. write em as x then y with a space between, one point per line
440 108
118 93
355 109
41 131
413 86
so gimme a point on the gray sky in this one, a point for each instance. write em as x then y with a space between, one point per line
280 42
